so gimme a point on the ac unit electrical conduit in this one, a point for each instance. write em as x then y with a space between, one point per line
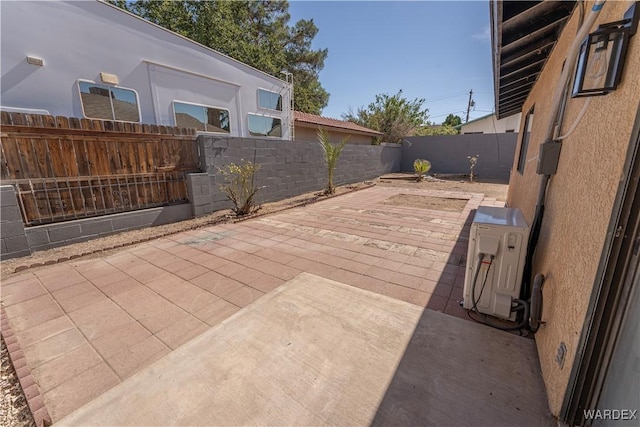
551 134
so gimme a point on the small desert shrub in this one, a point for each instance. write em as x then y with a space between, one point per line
239 186
421 168
331 155
472 164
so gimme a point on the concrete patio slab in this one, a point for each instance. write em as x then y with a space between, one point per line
317 352
132 306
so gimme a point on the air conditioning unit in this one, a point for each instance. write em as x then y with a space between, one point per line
495 260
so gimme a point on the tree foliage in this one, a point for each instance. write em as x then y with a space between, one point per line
254 32
395 116
452 121
431 130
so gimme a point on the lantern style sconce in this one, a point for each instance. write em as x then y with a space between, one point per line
602 56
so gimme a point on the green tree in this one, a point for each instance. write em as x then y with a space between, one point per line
394 116
452 121
254 32
431 130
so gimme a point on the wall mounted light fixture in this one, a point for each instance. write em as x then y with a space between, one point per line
35 61
602 56
109 78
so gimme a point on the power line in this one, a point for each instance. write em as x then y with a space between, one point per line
447 113
444 97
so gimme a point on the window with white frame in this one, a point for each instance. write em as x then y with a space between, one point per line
201 117
269 100
105 102
264 125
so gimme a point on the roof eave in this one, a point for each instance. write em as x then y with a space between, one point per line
495 10
523 37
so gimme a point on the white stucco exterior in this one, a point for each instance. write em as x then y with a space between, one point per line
489 124
79 40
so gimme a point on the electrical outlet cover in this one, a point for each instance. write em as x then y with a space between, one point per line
488 245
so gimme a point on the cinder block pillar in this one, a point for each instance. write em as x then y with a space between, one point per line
13 239
199 191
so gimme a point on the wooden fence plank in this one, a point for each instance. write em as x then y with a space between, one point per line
114 157
27 161
67 151
128 157
19 119
82 161
4 169
41 158
102 157
5 118
57 157
49 122
74 123
12 155
66 168
63 122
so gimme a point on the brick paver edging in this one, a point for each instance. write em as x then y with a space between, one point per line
195 227
23 372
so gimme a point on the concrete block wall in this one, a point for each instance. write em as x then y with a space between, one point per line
448 153
13 239
199 193
290 168
42 237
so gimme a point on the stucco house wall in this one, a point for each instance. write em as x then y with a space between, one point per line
79 40
579 200
311 134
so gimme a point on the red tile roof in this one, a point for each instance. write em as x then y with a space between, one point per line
312 119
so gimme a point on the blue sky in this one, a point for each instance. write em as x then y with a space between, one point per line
437 50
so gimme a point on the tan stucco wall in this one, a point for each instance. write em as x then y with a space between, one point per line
311 134
579 200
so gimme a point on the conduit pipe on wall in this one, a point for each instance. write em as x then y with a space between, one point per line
551 134
569 66
577 120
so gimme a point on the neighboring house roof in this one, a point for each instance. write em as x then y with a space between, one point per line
311 120
523 34
472 121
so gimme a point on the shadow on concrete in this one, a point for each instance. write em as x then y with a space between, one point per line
451 280
456 372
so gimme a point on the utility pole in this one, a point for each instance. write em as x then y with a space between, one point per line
469 105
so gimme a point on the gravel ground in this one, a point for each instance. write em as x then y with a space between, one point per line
14 410
491 188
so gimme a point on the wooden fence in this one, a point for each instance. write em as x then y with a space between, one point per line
69 168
